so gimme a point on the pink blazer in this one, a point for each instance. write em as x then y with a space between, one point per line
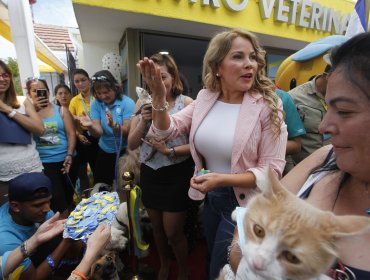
255 144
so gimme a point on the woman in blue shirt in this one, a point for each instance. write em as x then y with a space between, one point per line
56 145
109 119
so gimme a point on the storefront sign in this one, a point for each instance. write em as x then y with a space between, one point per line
302 13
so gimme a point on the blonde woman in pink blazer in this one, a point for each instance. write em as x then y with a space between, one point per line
235 127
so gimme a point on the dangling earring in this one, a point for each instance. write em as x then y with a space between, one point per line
217 75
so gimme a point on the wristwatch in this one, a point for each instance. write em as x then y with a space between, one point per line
172 154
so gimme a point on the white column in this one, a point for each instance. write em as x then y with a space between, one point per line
23 38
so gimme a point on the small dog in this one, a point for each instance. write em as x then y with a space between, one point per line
104 268
100 187
119 235
119 230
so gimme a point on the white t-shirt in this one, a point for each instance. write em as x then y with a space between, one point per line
214 138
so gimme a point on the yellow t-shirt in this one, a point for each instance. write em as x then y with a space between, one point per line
77 107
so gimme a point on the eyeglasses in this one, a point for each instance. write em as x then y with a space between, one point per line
99 78
5 76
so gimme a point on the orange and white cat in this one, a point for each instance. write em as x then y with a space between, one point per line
283 237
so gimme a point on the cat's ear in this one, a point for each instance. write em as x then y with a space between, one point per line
349 225
268 182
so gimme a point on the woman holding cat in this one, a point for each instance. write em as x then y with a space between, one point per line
235 127
337 177
340 180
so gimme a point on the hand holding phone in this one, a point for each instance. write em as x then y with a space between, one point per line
42 94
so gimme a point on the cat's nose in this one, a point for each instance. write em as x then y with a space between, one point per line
259 263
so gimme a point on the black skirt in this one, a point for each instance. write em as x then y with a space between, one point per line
166 189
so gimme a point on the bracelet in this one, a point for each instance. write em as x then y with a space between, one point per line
24 250
229 252
162 109
172 153
79 274
69 155
12 114
51 262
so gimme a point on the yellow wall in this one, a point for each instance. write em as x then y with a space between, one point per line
248 18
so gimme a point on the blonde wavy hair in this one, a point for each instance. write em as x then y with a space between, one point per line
218 48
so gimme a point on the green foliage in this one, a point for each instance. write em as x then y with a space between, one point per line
13 65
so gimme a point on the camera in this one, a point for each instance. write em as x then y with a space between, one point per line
42 93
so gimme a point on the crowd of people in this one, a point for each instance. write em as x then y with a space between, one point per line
208 149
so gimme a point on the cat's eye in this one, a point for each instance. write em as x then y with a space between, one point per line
259 231
290 257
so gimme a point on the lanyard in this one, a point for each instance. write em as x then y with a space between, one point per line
323 103
84 104
117 145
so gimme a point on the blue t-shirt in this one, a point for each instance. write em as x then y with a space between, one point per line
292 119
121 110
13 235
52 145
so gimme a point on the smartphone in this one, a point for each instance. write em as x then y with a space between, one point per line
42 93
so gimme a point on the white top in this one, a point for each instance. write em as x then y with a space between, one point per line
214 138
16 159
156 160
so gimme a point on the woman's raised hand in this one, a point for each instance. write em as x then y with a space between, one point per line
152 77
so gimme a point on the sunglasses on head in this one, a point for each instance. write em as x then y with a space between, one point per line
35 78
99 78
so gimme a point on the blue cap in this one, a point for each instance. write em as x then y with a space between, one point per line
25 187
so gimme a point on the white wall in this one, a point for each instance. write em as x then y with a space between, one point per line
91 57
